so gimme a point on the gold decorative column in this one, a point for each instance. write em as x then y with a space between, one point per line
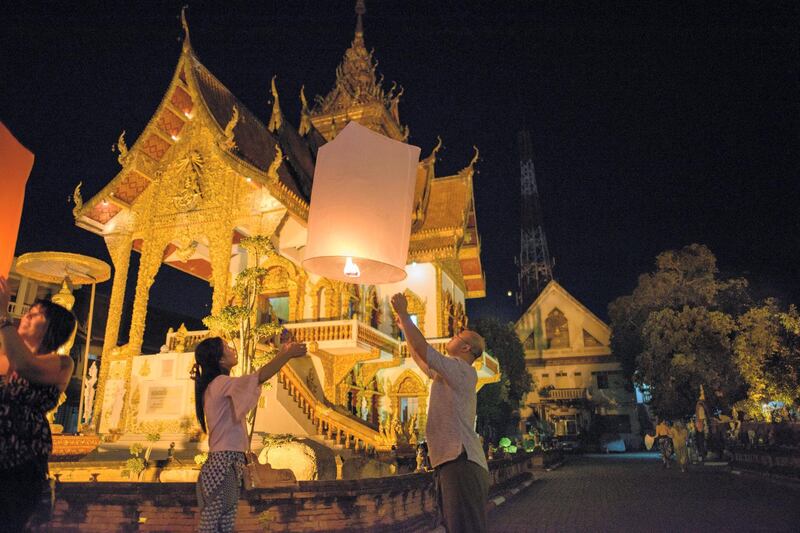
119 248
152 256
221 239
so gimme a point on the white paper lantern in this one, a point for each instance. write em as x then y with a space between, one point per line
359 221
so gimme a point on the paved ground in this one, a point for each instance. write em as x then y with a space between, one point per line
632 492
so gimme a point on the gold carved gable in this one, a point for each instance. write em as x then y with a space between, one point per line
409 384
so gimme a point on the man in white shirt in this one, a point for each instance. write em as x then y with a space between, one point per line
453 446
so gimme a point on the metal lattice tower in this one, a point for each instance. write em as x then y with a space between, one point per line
535 264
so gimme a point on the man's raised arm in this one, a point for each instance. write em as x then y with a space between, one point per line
417 345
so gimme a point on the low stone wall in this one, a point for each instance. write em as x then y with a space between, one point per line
784 462
398 503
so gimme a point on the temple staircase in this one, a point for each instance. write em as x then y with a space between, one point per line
319 421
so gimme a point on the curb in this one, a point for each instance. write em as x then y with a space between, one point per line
502 498
497 501
779 479
554 466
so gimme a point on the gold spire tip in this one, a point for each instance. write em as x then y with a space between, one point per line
185 26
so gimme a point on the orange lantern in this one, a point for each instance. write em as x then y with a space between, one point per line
16 163
359 221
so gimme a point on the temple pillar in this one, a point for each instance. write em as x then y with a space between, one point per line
220 252
119 248
152 256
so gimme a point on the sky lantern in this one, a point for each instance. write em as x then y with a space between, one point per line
15 167
359 221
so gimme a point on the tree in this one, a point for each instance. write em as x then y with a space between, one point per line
236 322
687 283
499 403
685 277
767 354
683 350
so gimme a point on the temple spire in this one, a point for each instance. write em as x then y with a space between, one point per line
276 120
360 10
187 44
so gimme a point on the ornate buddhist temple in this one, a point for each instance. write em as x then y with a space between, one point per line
206 173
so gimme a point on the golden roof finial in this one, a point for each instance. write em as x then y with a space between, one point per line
305 114
469 170
475 157
702 392
432 158
227 141
186 43
272 171
78 200
122 148
276 120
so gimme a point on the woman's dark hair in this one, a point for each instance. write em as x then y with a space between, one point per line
60 325
207 356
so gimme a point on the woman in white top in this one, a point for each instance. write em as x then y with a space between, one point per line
222 403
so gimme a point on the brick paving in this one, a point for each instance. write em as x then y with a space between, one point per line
632 492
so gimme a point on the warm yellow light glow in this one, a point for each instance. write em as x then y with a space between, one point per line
175 137
351 269
248 179
190 116
509 293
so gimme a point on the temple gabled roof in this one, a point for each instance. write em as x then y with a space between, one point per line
193 86
255 144
554 295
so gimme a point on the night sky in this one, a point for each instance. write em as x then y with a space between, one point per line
654 125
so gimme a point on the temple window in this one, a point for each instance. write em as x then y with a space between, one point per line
557 329
274 308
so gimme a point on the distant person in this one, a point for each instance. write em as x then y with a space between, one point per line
222 403
680 442
701 427
664 442
32 377
454 448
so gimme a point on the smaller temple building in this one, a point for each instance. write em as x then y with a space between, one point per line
579 389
